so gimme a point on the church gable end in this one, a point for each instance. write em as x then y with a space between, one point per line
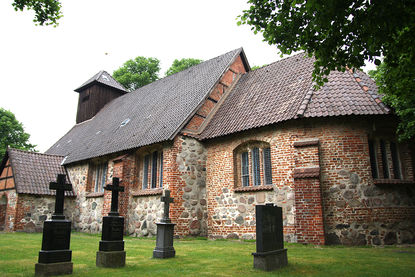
217 95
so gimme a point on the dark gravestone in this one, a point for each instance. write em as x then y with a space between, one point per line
165 231
55 256
111 247
270 253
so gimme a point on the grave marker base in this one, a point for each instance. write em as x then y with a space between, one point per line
270 260
110 258
164 243
64 268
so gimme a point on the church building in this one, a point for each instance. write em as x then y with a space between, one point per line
224 138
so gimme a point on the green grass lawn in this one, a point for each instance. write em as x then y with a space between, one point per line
199 257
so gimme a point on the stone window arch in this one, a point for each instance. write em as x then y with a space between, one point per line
252 164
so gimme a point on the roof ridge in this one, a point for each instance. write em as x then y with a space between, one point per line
115 80
99 74
375 96
32 152
306 100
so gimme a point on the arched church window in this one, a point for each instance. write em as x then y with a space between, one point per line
252 164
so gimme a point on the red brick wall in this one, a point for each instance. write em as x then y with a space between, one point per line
21 210
354 210
175 184
3 207
309 225
10 210
124 168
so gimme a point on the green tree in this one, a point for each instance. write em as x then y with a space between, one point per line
47 12
138 72
255 67
399 80
12 133
342 34
180 65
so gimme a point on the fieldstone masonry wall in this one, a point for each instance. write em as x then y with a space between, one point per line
34 210
191 161
143 213
25 212
88 208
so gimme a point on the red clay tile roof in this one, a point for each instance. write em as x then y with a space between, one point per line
284 90
34 171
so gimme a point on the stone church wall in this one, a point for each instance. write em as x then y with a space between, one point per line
33 210
184 174
87 208
143 213
354 210
191 214
26 212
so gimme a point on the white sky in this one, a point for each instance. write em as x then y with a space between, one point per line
40 66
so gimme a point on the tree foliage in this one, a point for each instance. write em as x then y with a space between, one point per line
138 72
47 12
397 85
255 67
180 65
344 34
12 133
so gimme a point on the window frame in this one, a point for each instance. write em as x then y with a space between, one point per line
385 161
151 169
99 176
250 167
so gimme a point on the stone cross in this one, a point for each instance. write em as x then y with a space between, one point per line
60 186
115 188
167 200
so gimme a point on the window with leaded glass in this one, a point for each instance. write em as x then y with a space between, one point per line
267 166
253 164
256 167
245 169
152 170
100 177
146 166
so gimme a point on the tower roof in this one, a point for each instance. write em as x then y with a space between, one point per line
104 78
